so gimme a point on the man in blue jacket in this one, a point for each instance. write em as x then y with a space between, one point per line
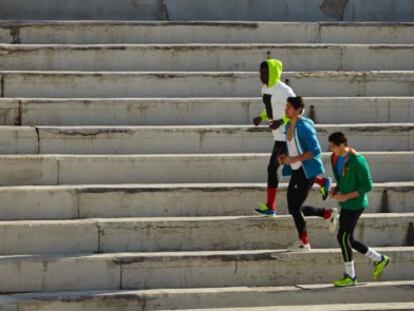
303 163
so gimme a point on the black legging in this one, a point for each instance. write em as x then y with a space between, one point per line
298 190
272 178
347 222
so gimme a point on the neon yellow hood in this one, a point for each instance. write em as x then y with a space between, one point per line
275 71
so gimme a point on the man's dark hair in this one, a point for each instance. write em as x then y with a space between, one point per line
338 138
263 64
297 102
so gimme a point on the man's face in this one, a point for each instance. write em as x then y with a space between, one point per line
334 148
264 74
290 111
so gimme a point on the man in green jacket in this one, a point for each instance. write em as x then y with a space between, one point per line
354 181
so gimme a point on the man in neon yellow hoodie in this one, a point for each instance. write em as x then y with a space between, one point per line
275 93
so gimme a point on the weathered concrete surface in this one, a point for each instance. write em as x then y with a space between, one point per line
200 84
195 111
205 57
389 10
234 233
148 169
94 32
49 237
396 306
172 200
81 9
205 139
9 112
41 203
199 234
45 273
189 269
20 139
208 297
237 268
282 10
28 170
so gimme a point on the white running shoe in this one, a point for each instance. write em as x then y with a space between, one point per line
298 246
333 220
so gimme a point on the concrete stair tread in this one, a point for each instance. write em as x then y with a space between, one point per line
207 297
117 139
183 155
203 31
395 306
312 73
171 200
194 111
368 126
172 220
59 46
249 255
196 269
162 234
54 169
205 57
108 187
199 84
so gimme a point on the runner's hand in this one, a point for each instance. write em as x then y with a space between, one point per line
257 121
339 197
274 125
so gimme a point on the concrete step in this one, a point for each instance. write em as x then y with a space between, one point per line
208 168
195 111
199 84
396 306
172 200
189 139
222 297
190 234
189 269
126 32
205 57
283 10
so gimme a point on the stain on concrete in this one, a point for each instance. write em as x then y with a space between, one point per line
18 118
384 204
15 34
2 85
88 133
334 8
409 238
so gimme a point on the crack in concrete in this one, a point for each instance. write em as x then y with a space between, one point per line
2 86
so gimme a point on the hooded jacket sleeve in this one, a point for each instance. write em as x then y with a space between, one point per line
363 175
309 139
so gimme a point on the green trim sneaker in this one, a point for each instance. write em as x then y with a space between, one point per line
263 209
346 281
379 267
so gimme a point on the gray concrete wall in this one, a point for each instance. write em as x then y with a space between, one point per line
180 299
205 57
107 169
189 269
100 201
95 32
199 84
83 9
195 111
282 10
199 233
90 140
